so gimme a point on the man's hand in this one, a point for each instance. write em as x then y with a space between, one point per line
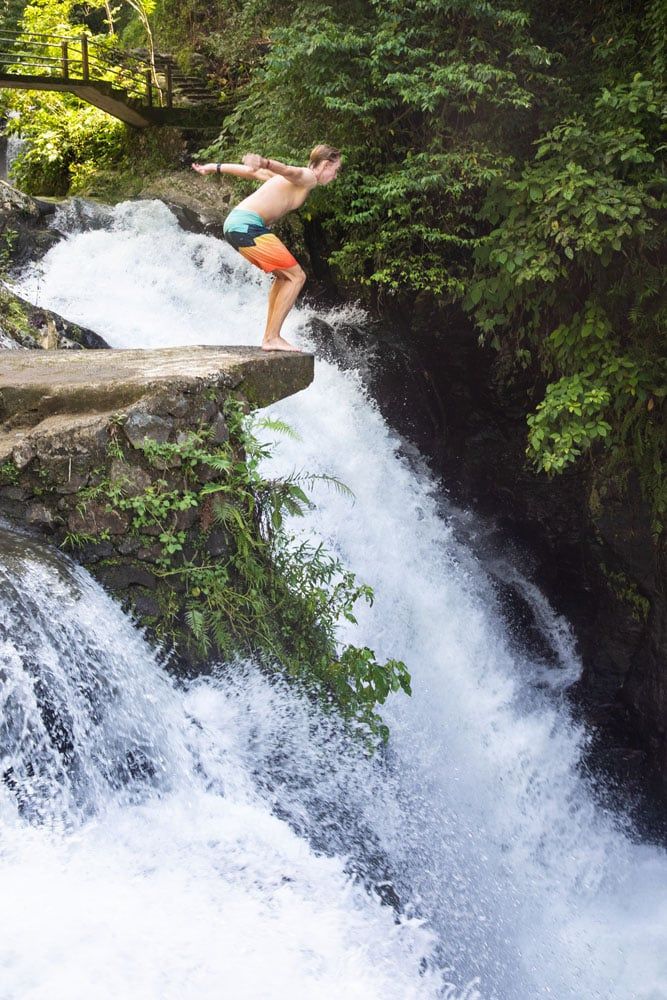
205 168
255 161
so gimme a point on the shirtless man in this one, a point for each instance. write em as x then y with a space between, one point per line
246 228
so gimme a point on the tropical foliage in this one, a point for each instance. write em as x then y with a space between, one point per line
68 142
572 278
416 95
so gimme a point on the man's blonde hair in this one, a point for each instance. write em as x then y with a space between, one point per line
322 153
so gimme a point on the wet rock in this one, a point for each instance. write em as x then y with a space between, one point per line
80 336
23 454
14 493
185 519
142 427
126 575
39 516
23 225
127 546
97 520
26 236
219 430
151 529
92 553
217 543
179 406
208 410
199 204
14 202
71 485
144 603
131 479
23 325
150 553
75 424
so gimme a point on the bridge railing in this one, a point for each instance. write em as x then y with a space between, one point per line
82 59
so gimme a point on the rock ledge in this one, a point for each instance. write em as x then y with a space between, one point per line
35 386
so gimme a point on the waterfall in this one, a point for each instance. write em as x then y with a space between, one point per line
10 147
224 831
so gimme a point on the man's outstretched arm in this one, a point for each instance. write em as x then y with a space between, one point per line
303 176
259 168
236 169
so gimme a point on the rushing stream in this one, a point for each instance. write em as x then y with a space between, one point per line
222 839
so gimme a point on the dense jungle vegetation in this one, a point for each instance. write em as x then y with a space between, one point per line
506 156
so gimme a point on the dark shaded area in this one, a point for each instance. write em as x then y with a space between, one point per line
28 325
25 236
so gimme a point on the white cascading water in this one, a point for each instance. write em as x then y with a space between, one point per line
223 839
12 147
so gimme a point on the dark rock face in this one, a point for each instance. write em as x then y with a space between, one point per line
592 552
24 231
23 325
140 427
593 549
25 236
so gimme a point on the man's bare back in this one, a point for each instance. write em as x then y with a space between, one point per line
284 189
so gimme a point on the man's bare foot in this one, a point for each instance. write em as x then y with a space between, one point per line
278 344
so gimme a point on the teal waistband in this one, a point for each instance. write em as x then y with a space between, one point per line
239 219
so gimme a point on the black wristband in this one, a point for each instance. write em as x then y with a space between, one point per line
217 168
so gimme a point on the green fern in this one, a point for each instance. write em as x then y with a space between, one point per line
279 426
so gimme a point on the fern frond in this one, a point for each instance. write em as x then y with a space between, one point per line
227 513
196 620
310 478
279 426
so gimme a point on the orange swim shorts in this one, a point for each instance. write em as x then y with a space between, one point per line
247 233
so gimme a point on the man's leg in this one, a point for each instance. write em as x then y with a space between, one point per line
283 294
273 295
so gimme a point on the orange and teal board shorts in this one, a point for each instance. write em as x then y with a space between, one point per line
247 233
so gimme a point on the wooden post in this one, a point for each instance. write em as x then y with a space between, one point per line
85 68
170 95
64 59
149 88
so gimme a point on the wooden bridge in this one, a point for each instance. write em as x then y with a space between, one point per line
125 85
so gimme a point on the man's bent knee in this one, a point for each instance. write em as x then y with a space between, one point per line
298 275
295 274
